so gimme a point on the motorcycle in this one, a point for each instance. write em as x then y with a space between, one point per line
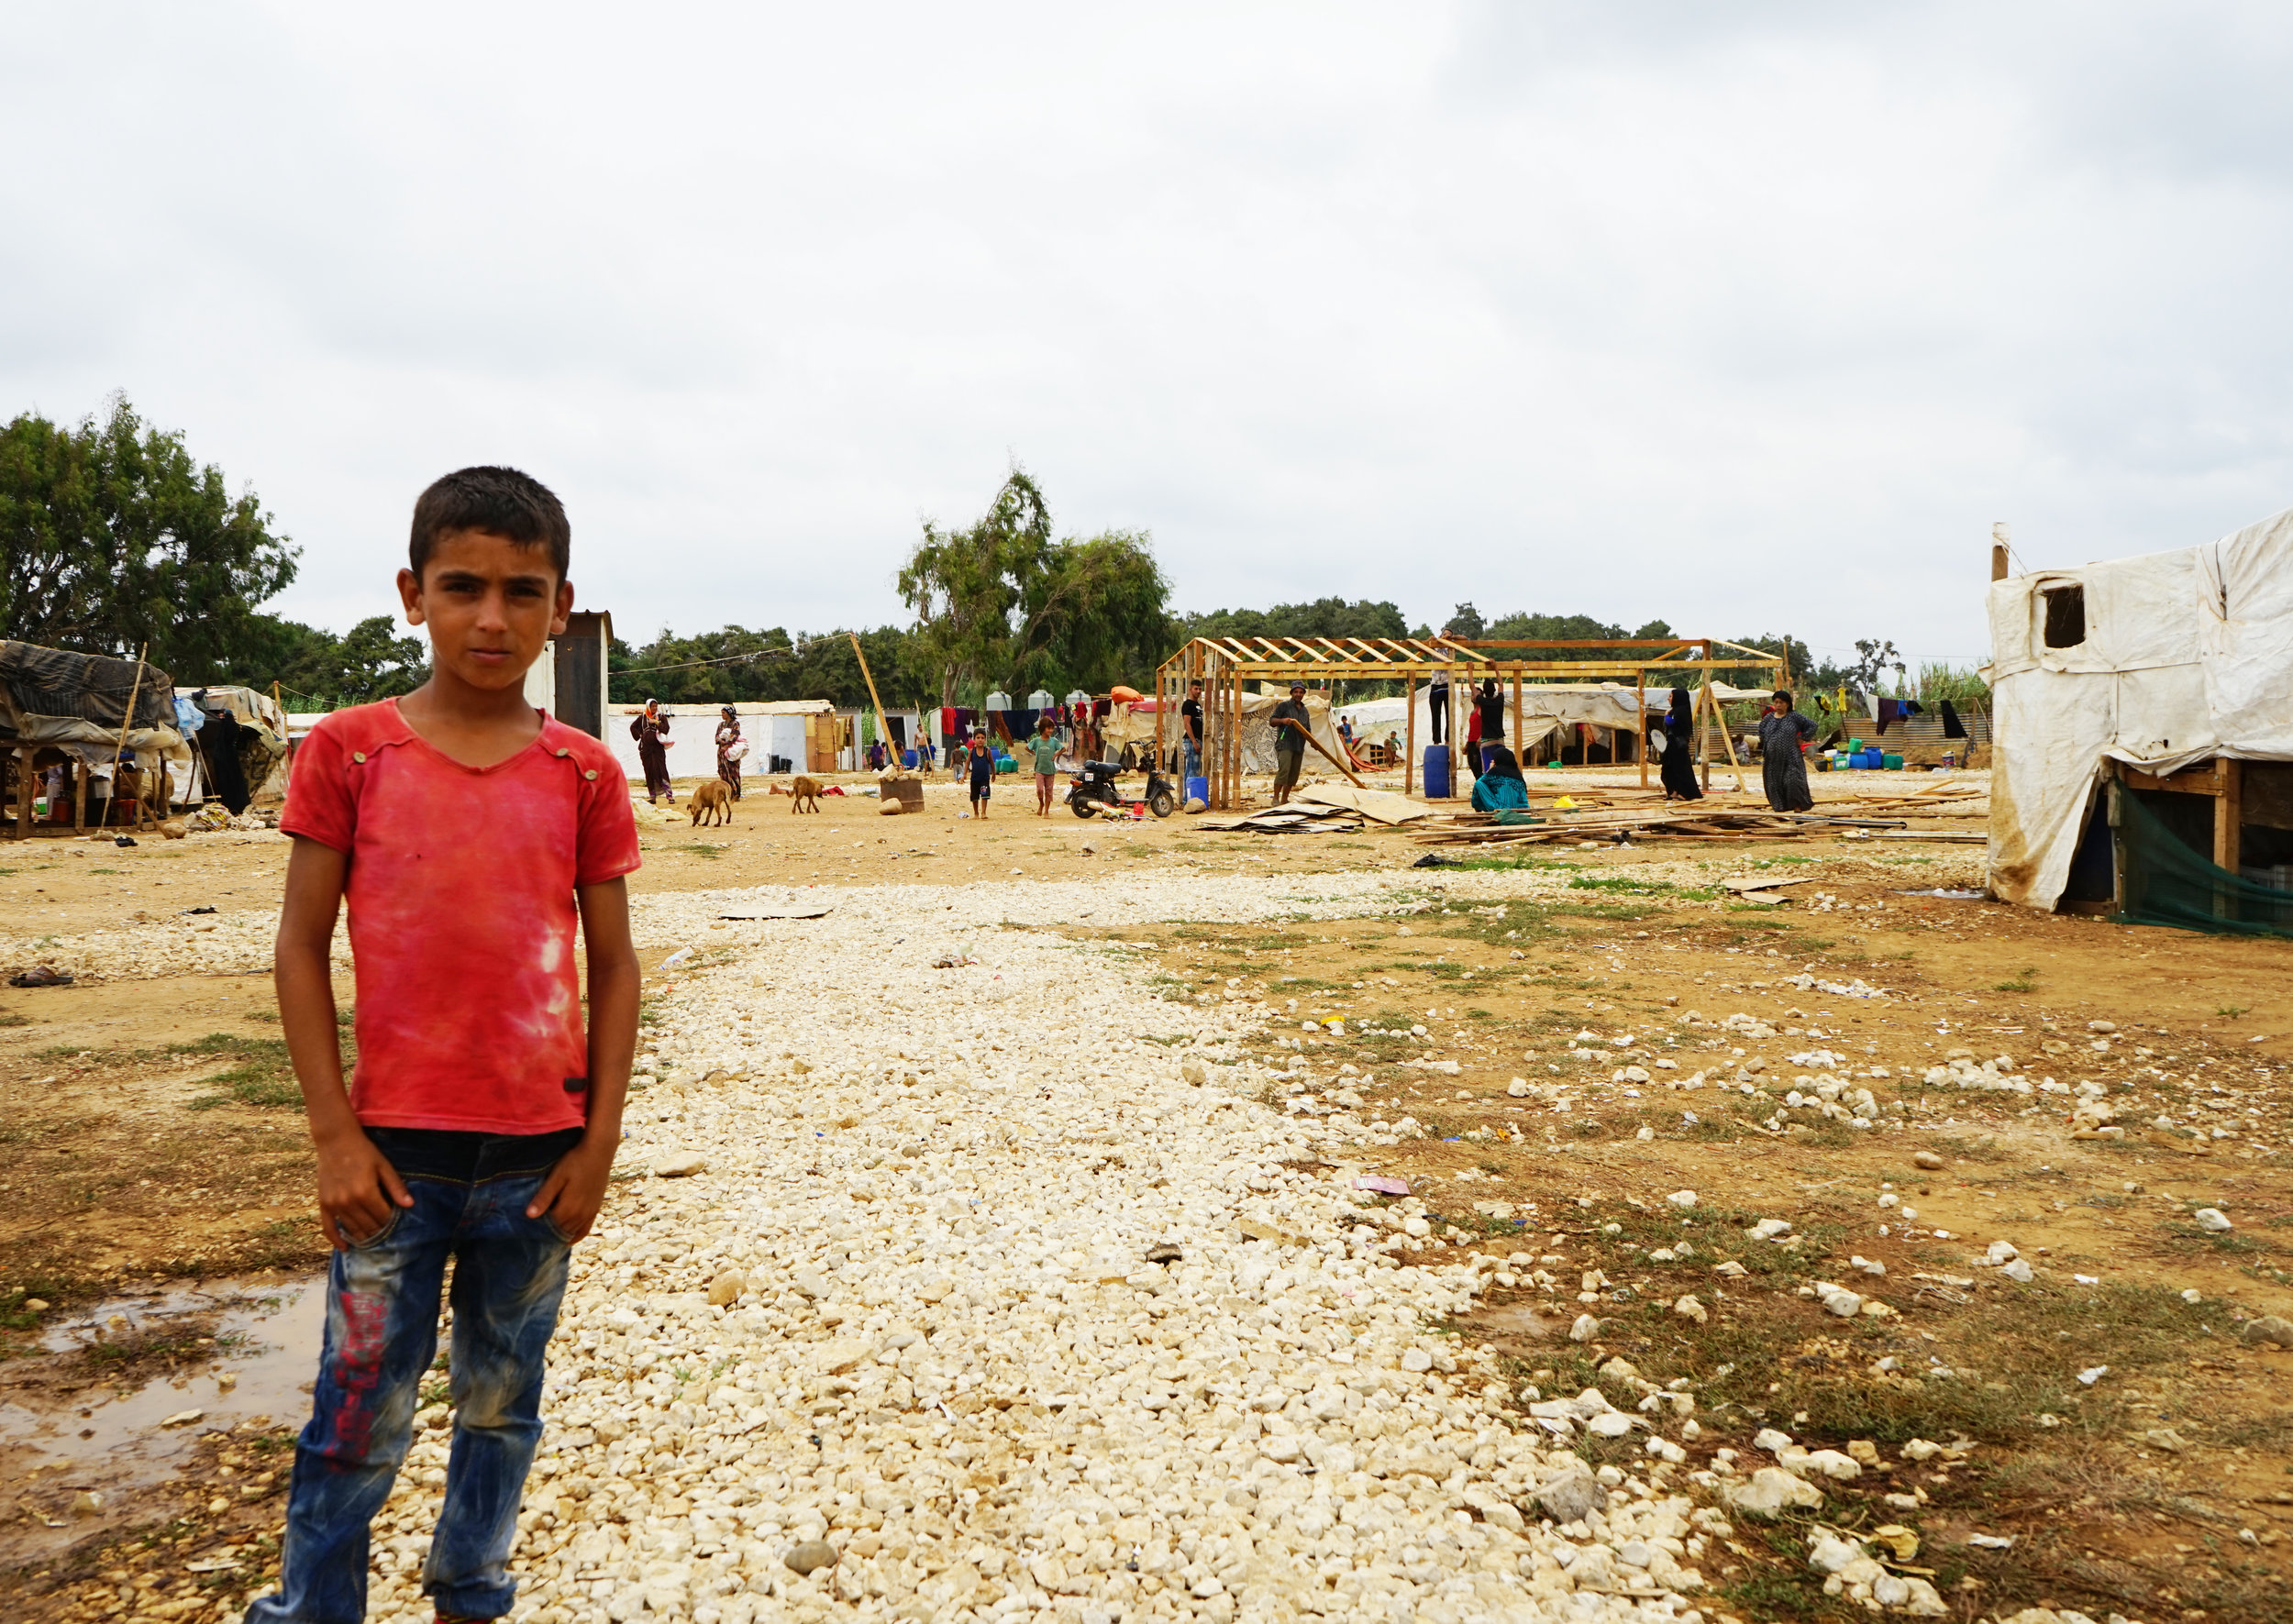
1095 788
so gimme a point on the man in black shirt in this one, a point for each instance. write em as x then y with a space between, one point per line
1290 721
1191 729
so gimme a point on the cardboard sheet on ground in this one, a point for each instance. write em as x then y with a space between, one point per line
1379 806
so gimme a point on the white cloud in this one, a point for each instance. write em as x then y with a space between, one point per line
1748 318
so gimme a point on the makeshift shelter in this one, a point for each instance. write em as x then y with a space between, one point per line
71 712
240 737
1522 668
2143 750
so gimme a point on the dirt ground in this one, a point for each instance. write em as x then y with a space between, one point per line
1525 1054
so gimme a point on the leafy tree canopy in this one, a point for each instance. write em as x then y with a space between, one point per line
1004 603
735 664
1324 618
112 537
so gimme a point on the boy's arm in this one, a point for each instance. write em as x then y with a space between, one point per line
357 1185
575 1188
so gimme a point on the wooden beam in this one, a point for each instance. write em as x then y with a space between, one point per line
1409 756
2228 813
79 796
1640 722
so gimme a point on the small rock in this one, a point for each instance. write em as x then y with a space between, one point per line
1991 1542
1839 1301
1927 1159
1770 1491
2213 1220
1682 1198
1833 1464
1416 1360
2165 1438
1767 1229
811 1555
87 1502
1517 1088
1572 1496
1921 1449
2001 1252
2101 1026
183 1418
35 1305
681 1164
2018 1271
1688 1308
725 1289
1730 1270
1584 1330
2269 1327
1771 1439
2092 1373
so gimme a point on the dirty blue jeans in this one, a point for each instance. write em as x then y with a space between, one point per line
470 1195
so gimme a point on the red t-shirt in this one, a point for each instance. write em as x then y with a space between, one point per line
462 916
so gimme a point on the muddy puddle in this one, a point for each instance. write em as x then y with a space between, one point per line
99 1421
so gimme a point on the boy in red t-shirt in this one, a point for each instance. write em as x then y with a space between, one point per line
466 831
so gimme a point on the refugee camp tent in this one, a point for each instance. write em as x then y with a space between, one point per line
1134 725
60 709
240 735
2143 711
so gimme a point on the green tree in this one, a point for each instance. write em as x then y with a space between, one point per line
1467 622
1324 618
1001 602
111 538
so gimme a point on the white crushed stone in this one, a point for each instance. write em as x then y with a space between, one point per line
924 1207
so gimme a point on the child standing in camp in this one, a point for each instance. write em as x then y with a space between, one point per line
981 759
466 831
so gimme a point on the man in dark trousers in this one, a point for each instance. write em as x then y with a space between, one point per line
1190 730
1290 721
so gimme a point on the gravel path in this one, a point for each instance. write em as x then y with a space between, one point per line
906 1313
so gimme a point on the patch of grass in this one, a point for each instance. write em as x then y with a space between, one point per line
700 848
59 1052
263 1076
10 1018
2024 980
2231 1011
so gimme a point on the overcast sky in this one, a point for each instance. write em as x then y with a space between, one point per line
1748 317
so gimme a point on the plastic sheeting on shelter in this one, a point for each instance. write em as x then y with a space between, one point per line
2159 661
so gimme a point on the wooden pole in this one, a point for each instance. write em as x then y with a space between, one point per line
2228 813
134 692
1319 750
1409 747
23 793
1705 705
1728 739
1640 722
883 727
79 796
1520 743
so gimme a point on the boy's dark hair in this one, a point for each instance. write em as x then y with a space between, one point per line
500 501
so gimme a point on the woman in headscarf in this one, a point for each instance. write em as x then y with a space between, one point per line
1783 734
1500 787
1679 765
731 750
649 728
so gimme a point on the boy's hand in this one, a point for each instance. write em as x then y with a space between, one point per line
357 1188
575 1188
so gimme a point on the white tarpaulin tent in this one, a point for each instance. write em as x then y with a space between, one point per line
2159 661
1131 724
1543 706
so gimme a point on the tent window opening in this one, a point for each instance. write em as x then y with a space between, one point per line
2065 617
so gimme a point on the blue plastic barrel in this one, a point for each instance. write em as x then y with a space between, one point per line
1436 772
1198 788
907 759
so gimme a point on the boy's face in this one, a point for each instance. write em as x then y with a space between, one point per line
491 606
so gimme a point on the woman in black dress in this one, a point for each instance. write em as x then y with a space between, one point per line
651 730
1783 734
1679 765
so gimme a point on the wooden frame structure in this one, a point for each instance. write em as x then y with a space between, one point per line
1222 665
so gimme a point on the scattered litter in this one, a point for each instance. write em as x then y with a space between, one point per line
203 908
41 975
678 960
1992 1541
2092 1373
747 914
1956 896
1382 1185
